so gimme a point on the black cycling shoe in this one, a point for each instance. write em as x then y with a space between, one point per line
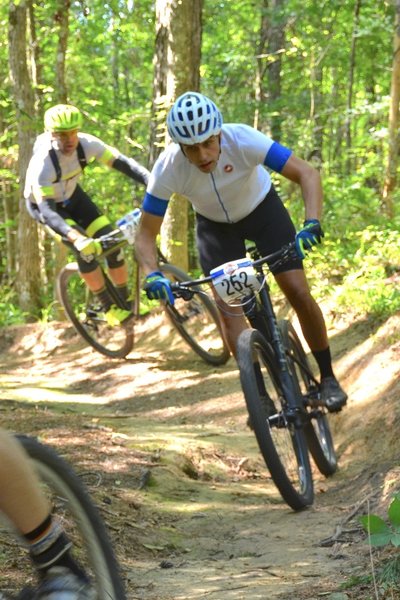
269 408
332 395
59 583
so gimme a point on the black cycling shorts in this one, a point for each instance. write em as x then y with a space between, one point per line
83 211
269 227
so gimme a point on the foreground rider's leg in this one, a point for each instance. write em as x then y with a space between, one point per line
23 502
295 287
21 499
233 322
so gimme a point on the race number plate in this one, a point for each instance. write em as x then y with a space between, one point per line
235 280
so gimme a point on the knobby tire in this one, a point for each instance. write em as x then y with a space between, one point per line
318 432
282 442
197 321
80 518
84 312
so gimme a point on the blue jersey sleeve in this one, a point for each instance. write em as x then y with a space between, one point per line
277 157
154 206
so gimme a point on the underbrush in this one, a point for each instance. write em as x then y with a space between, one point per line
359 272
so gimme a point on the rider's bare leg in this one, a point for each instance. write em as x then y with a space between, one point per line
94 280
296 289
233 322
21 499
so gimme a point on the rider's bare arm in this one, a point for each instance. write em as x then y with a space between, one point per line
305 175
145 242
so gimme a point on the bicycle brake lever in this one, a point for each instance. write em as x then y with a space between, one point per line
182 292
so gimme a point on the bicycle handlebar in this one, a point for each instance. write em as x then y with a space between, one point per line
112 239
186 289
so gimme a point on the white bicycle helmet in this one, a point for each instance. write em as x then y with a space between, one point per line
193 119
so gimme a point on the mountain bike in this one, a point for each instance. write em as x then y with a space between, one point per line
197 321
282 395
79 517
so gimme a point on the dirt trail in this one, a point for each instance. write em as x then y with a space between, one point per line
183 489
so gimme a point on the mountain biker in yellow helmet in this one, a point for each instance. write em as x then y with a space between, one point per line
55 198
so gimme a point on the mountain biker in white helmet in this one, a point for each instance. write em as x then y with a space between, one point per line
223 170
60 577
54 197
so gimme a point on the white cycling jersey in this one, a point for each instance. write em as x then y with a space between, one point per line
41 174
233 190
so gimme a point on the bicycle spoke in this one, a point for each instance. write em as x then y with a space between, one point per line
278 429
86 315
318 431
197 321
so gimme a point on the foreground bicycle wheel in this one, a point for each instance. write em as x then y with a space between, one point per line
80 519
197 321
85 313
279 432
318 432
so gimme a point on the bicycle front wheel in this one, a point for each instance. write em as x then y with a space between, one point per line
86 315
80 519
278 429
318 432
197 321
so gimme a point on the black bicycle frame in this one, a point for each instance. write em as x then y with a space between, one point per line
262 312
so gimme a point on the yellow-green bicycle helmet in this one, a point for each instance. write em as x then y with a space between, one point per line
62 117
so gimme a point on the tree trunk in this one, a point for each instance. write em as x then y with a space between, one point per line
28 278
9 197
356 19
62 18
34 59
59 250
391 167
176 70
269 63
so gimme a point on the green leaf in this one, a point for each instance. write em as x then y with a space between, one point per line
374 525
394 512
395 539
380 539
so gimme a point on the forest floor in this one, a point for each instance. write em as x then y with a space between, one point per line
190 506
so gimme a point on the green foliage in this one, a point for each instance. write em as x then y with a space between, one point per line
358 264
10 313
381 533
109 75
370 272
386 534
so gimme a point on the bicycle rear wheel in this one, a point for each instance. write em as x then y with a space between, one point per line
80 519
197 321
318 432
279 432
86 315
